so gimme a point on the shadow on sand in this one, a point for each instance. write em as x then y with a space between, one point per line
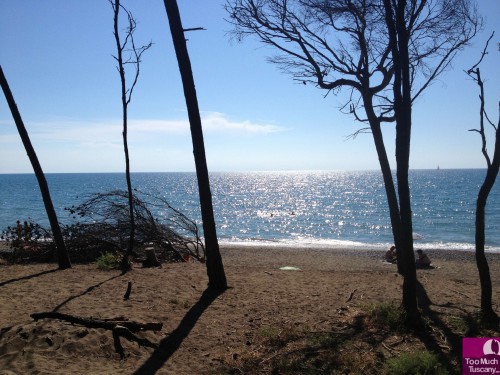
169 345
440 327
88 290
28 277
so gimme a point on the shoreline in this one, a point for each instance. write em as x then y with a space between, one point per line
314 257
355 248
349 246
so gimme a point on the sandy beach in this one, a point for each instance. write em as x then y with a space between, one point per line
208 333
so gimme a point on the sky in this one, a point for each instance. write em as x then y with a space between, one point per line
57 56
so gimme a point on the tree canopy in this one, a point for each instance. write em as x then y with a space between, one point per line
337 44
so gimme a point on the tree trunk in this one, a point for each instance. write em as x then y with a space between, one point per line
62 253
481 261
215 268
151 259
399 39
385 167
126 262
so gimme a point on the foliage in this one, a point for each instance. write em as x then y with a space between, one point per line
474 325
108 261
422 363
25 233
28 242
387 314
359 343
102 226
272 335
335 44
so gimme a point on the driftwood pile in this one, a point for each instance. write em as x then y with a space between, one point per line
101 225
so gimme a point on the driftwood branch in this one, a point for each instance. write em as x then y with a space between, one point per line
120 331
119 328
99 323
351 295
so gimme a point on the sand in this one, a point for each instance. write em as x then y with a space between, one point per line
203 332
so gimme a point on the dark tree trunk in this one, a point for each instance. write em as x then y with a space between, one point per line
126 262
481 261
215 268
385 167
62 253
399 39
390 190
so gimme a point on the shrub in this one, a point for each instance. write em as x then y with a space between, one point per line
108 261
423 363
387 314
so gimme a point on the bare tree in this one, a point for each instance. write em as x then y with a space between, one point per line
384 54
132 56
62 253
482 197
215 268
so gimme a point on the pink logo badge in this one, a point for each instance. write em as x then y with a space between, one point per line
480 355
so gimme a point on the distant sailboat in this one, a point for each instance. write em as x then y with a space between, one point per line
438 168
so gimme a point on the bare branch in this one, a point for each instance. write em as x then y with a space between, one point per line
483 54
358 132
475 74
194 29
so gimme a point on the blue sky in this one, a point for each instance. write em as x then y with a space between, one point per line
57 56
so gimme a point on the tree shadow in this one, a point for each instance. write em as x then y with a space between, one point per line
169 345
431 343
88 290
28 277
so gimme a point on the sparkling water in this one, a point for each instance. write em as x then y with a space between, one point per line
313 209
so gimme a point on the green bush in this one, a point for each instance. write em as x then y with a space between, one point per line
108 261
387 314
423 363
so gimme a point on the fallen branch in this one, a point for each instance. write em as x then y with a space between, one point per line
387 347
120 331
351 295
119 328
99 323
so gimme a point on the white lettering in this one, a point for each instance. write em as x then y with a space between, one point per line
491 361
471 361
491 370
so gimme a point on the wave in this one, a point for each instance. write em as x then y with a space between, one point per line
326 244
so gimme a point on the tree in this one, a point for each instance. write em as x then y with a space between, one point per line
134 58
215 268
399 37
385 54
489 180
62 253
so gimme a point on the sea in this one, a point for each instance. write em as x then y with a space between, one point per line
313 209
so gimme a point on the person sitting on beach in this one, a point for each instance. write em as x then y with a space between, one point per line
391 256
423 260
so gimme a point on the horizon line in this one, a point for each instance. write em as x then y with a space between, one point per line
251 171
